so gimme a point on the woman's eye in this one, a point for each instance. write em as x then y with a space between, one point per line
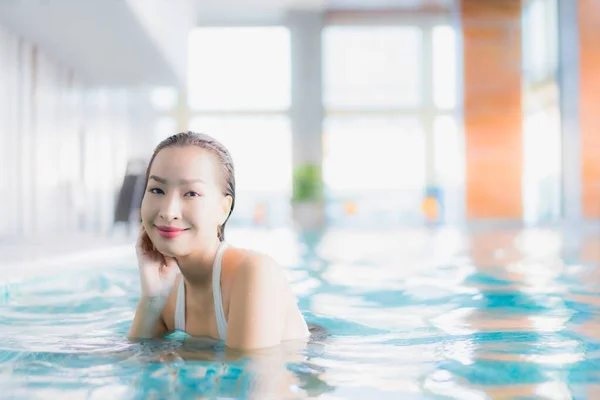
156 191
192 194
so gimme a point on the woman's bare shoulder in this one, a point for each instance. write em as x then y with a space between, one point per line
238 257
246 262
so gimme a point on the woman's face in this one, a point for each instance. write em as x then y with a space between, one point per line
183 203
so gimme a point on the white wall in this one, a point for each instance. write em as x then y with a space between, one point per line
63 145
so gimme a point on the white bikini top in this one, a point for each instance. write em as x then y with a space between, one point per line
217 298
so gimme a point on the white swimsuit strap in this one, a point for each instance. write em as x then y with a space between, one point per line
180 306
217 298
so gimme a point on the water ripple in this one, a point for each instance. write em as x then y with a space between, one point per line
402 316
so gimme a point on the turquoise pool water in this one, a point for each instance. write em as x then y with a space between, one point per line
410 315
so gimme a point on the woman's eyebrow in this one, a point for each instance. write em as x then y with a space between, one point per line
180 181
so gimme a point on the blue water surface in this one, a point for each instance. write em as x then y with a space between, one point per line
402 314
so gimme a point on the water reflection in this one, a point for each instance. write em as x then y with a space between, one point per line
502 283
407 314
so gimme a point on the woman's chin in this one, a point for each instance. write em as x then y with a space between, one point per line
172 250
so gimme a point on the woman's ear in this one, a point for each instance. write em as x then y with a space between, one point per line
226 207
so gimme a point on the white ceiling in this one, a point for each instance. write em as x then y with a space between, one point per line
236 11
88 35
102 40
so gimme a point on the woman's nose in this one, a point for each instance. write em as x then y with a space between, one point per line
170 209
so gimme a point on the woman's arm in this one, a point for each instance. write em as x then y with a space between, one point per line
148 322
158 274
258 304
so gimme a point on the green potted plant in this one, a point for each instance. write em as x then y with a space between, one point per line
307 199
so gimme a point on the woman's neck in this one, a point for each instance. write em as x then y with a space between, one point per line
197 267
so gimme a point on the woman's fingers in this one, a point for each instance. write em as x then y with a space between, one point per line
147 250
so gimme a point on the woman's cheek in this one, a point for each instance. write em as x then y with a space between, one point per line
194 215
145 210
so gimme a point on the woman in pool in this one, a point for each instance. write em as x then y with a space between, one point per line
191 279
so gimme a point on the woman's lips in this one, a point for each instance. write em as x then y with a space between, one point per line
169 232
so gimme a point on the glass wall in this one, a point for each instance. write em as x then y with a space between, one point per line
541 128
239 92
444 123
390 131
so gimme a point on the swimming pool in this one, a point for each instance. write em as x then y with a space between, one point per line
408 314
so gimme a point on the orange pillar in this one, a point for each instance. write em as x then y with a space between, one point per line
492 108
589 101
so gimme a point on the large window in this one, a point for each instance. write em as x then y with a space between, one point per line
445 67
369 67
239 93
448 138
370 167
542 167
540 39
234 69
261 150
389 133
449 166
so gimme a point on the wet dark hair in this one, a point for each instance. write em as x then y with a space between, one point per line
209 143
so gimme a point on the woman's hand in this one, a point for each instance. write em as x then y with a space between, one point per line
157 271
